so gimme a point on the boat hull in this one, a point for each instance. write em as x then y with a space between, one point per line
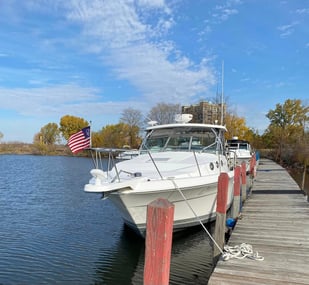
193 205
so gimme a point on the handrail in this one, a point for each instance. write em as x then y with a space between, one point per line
155 165
198 167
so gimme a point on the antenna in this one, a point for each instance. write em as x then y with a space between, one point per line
222 77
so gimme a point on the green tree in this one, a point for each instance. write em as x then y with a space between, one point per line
287 125
71 124
48 135
1 136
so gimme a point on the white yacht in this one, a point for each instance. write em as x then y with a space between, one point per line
180 162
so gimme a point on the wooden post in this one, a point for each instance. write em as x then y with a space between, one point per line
252 166
252 171
304 176
243 181
223 184
159 233
236 200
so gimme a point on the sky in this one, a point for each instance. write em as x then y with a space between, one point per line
95 58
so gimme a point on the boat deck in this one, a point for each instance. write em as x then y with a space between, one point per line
275 221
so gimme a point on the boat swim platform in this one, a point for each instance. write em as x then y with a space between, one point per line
275 222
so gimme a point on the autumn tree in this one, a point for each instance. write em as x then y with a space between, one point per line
164 113
1 136
236 126
48 135
116 136
71 124
287 125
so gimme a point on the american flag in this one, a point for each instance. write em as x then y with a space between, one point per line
80 140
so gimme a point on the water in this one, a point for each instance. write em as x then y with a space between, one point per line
52 232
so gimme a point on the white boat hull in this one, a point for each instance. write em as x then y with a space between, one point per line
198 206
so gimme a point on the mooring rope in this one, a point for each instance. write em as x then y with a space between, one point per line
196 216
241 251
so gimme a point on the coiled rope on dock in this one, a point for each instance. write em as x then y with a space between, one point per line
241 251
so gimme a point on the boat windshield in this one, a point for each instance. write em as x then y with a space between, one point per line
238 146
182 139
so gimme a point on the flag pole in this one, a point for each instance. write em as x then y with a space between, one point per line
90 122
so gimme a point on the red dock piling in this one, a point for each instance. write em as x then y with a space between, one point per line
160 218
236 200
243 181
223 184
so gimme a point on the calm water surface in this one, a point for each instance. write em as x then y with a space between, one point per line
52 232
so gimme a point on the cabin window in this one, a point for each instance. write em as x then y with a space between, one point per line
182 139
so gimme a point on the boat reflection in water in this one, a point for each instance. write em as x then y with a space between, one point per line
191 259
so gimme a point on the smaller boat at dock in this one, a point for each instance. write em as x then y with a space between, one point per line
241 150
128 154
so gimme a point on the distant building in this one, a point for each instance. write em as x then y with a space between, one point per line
205 112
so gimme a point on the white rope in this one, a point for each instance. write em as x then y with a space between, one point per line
196 216
240 252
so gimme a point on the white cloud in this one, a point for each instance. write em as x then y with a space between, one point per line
225 10
44 101
302 11
136 51
287 30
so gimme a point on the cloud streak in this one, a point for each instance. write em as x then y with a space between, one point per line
137 52
287 30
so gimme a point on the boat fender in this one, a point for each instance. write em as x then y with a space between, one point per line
98 176
230 223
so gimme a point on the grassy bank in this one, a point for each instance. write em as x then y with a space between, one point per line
35 149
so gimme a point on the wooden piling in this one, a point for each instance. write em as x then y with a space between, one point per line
253 166
243 181
159 232
223 183
252 171
236 200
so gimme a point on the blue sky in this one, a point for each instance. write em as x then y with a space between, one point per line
95 58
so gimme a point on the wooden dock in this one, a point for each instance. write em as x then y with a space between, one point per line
275 221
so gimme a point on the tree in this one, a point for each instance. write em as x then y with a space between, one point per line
164 113
49 134
236 126
71 124
287 125
1 136
133 118
116 136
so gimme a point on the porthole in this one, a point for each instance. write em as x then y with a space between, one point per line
221 162
217 164
211 166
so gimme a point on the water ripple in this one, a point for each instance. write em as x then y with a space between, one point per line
52 232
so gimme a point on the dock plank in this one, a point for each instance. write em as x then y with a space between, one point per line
275 221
